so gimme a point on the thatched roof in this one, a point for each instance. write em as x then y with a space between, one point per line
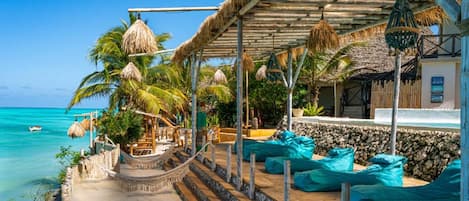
290 21
76 130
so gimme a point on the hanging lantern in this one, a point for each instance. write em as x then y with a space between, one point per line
248 63
274 72
139 39
76 130
261 73
322 36
219 77
402 30
85 124
131 72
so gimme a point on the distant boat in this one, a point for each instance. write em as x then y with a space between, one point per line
35 128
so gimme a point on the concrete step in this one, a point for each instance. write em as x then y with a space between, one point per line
184 193
201 191
224 190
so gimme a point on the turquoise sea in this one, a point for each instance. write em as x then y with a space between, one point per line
27 159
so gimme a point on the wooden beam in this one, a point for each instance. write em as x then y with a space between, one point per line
175 9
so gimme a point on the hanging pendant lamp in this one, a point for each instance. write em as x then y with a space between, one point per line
76 130
261 73
274 71
322 36
139 38
402 30
131 72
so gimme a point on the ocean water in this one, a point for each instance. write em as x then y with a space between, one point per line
27 159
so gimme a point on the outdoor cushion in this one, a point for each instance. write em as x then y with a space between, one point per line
339 159
388 172
445 187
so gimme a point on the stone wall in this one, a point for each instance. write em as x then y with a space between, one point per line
428 151
90 168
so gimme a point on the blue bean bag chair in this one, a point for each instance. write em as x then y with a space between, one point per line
445 187
385 170
339 159
288 145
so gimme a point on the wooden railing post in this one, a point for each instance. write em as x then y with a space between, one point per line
345 192
185 141
214 164
252 178
286 180
228 163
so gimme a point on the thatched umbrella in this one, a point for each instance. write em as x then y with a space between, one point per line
248 63
85 124
261 73
322 36
76 130
139 39
131 72
219 77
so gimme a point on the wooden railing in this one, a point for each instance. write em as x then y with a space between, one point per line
433 46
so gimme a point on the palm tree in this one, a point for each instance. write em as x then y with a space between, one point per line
322 67
152 94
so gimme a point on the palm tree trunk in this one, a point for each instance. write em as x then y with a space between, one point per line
316 95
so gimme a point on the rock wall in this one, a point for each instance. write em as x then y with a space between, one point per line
428 151
90 168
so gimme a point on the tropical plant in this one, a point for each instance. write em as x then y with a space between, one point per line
313 110
123 127
152 94
66 158
323 67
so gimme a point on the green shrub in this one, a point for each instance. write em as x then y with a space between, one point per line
123 127
313 110
66 158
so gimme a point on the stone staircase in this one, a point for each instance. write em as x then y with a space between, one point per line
202 183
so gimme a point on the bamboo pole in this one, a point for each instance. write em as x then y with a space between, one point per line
395 106
194 104
289 90
286 180
175 9
239 105
247 99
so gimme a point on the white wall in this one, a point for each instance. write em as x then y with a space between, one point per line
447 69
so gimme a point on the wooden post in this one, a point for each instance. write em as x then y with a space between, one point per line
185 140
91 131
345 192
289 90
239 105
228 163
464 103
252 177
286 180
214 164
395 103
153 134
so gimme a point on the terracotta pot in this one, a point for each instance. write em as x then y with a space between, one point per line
297 112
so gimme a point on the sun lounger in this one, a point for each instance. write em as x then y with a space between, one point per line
445 187
385 170
339 159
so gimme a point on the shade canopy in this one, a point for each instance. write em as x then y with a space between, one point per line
76 130
290 22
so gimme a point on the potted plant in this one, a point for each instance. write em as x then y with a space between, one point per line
299 102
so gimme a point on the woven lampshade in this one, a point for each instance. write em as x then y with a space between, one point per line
76 130
402 30
261 73
85 124
274 71
248 63
322 37
139 39
219 77
131 72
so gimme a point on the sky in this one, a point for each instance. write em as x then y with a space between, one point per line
46 43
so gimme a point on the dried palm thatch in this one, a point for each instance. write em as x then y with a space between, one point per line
282 59
85 124
76 130
261 73
322 37
220 77
131 72
248 63
139 39
433 16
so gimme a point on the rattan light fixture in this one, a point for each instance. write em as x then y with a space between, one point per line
322 36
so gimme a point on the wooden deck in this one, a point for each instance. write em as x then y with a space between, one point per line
272 184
